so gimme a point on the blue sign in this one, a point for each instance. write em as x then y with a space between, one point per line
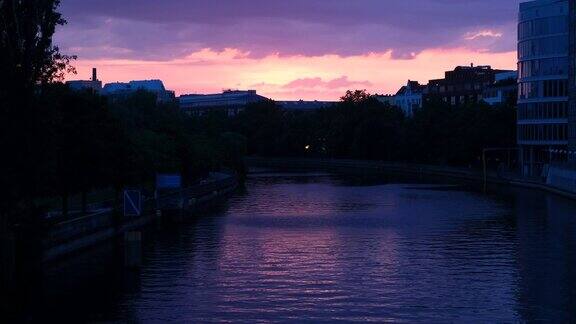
132 203
168 181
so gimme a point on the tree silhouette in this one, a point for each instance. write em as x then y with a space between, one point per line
29 61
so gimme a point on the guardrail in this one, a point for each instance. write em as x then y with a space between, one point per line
64 236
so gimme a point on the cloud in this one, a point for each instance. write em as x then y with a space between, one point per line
483 33
338 83
165 30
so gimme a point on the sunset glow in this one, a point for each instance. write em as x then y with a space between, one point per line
324 77
304 49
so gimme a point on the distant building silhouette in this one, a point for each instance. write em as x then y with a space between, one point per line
94 84
504 90
463 85
305 105
122 89
408 98
387 99
231 102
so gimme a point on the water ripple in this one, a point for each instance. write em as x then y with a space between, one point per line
319 248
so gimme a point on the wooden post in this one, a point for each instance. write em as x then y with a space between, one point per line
485 171
158 218
7 258
133 249
65 205
84 202
178 216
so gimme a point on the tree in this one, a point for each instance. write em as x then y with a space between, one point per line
26 51
362 127
29 61
356 97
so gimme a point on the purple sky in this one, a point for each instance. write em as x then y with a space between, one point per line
154 29
170 30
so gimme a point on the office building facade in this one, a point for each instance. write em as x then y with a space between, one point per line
572 84
543 72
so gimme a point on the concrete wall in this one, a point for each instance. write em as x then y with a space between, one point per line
562 178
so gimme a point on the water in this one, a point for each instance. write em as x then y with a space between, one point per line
326 248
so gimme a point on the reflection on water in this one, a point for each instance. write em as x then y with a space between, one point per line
316 247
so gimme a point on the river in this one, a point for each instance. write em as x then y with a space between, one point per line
316 247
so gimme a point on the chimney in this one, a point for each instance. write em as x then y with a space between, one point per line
471 64
94 75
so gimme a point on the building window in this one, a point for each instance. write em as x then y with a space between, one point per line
543 26
555 88
556 45
528 90
543 132
543 110
543 67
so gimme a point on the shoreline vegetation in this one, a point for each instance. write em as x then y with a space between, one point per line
361 127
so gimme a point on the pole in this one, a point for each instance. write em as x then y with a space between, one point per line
485 170
133 249
7 259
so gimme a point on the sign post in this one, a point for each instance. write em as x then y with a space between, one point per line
132 203
168 181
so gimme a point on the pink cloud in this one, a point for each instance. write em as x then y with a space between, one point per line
483 33
338 83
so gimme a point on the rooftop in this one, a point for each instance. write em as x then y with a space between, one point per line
148 85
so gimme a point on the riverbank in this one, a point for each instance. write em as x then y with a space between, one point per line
65 237
339 165
351 247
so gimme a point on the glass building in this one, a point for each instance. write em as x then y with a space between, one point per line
543 72
572 86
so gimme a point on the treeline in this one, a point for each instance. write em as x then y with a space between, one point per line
72 143
361 127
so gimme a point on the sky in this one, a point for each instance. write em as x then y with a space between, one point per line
287 50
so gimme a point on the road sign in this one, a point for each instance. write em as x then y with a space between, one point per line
168 181
132 203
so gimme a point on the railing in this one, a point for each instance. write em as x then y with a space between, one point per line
61 230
